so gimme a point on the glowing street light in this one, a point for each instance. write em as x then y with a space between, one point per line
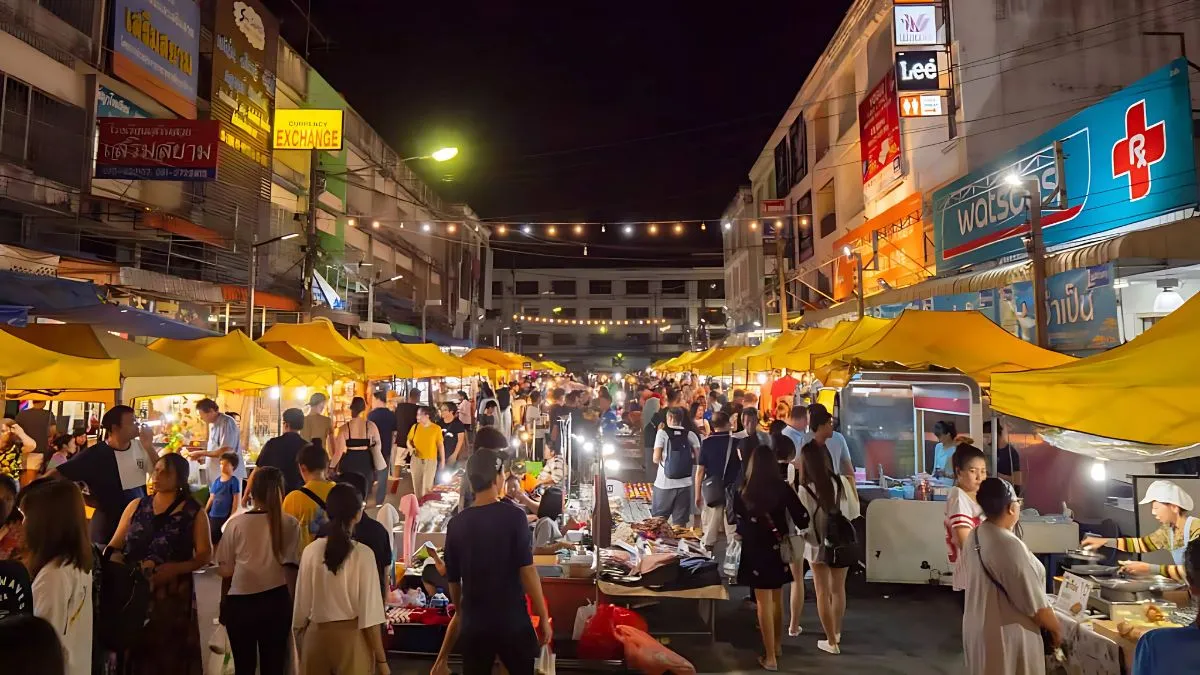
443 154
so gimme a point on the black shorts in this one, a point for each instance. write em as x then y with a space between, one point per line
517 650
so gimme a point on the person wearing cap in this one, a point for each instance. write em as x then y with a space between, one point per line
1170 505
317 425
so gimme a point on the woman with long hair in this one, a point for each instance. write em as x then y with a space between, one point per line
762 507
823 493
1006 611
61 564
338 606
258 556
66 446
12 525
963 513
699 423
358 448
166 534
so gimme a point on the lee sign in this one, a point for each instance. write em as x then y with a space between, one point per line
1128 158
304 129
917 71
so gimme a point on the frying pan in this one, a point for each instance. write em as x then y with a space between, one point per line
1138 585
1085 554
1093 570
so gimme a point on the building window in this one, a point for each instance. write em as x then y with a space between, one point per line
32 133
798 140
804 225
530 340
638 338
672 338
600 313
710 289
827 207
563 340
828 224
497 289
566 312
674 287
783 173
713 316
637 312
563 287
600 287
637 288
675 313
526 288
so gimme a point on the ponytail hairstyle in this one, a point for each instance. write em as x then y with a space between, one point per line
266 489
343 505
964 454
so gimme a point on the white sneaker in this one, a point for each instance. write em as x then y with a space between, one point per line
798 631
825 646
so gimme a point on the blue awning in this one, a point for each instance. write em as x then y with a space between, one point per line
42 294
131 320
14 315
407 339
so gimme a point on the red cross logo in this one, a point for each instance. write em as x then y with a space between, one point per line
1142 147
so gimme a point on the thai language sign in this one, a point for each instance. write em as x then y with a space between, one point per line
1128 158
243 88
155 48
879 131
1081 310
111 104
305 129
147 149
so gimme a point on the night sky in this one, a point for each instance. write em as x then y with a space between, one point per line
619 111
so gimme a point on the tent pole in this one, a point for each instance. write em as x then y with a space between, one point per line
279 403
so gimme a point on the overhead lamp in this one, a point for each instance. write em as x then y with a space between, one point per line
653 229
1012 179
628 229
678 228
847 251
375 224
703 227
451 228
552 231
502 230
425 227
291 235
397 277
1168 299
578 229
758 324
350 222
727 225
1099 471
444 154
754 225
527 229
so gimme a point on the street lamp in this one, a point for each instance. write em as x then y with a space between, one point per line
371 302
254 246
439 155
1032 187
858 270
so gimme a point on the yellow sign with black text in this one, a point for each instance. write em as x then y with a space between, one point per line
306 129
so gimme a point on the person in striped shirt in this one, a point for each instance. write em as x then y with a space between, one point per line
1171 506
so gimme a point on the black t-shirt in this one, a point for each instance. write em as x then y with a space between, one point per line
96 467
385 421
1008 460
712 457
375 536
451 430
486 547
16 590
280 452
557 412
406 418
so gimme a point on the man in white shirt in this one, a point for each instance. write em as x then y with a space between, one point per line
839 450
676 452
797 428
223 437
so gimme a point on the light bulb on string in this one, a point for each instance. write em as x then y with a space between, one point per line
552 231
703 227
585 250
502 230
754 225
451 228
628 229
678 228
603 229
527 229
653 229
425 227
578 229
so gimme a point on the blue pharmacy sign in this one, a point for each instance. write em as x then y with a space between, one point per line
1128 158
1081 310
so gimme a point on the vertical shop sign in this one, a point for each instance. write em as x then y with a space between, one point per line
879 137
1127 159
243 88
156 45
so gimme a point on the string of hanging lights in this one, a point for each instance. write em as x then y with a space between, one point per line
588 322
565 230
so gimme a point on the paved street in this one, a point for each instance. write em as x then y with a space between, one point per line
889 630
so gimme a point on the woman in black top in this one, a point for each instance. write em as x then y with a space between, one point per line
762 507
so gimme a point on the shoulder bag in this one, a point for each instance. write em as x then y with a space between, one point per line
838 544
712 488
1047 642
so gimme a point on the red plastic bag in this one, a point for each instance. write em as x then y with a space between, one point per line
599 640
646 655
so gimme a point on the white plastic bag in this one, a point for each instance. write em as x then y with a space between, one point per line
733 559
219 658
582 616
545 662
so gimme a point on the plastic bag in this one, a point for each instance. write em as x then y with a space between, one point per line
219 658
545 662
646 655
582 615
733 559
599 639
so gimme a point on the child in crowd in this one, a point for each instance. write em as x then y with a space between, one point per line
222 495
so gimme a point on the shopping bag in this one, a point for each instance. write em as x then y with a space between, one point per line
545 662
733 559
599 640
219 658
582 615
647 655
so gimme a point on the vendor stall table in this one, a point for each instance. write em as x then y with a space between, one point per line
707 596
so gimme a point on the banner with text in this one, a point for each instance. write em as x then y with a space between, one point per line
879 136
156 45
148 149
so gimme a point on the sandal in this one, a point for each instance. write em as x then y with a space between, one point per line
762 662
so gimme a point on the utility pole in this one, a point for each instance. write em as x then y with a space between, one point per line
253 282
1037 257
316 185
779 271
858 271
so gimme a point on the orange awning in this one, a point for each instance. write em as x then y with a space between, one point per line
233 293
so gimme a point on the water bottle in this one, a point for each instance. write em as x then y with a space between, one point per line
439 601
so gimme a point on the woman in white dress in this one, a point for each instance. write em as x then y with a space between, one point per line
1006 605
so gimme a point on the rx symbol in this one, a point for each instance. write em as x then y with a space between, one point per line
1142 147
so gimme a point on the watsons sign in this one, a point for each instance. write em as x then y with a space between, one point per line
1128 158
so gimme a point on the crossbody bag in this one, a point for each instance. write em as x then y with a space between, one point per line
712 489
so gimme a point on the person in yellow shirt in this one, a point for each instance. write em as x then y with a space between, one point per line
307 504
425 444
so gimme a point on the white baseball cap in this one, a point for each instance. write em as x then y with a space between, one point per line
1168 493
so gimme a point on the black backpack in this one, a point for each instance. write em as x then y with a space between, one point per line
839 545
679 459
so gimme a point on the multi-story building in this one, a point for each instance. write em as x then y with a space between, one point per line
996 75
586 318
182 246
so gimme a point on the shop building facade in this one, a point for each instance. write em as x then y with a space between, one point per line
178 243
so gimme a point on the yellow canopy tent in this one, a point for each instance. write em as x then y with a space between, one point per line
319 336
331 369
549 365
968 342
28 371
801 357
660 363
685 360
143 372
765 356
493 359
718 361
377 350
429 361
239 363
1155 375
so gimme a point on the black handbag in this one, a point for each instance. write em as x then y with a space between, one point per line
124 604
712 488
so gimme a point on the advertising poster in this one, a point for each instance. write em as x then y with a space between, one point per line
1128 158
155 46
1081 313
879 137
243 87
981 301
111 104
149 149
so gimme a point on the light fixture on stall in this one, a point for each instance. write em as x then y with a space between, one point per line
758 324
516 442
762 378
273 392
607 449
446 477
375 224
301 393
1099 471
589 447
612 465
1168 299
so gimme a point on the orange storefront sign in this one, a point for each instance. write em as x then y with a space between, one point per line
902 258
